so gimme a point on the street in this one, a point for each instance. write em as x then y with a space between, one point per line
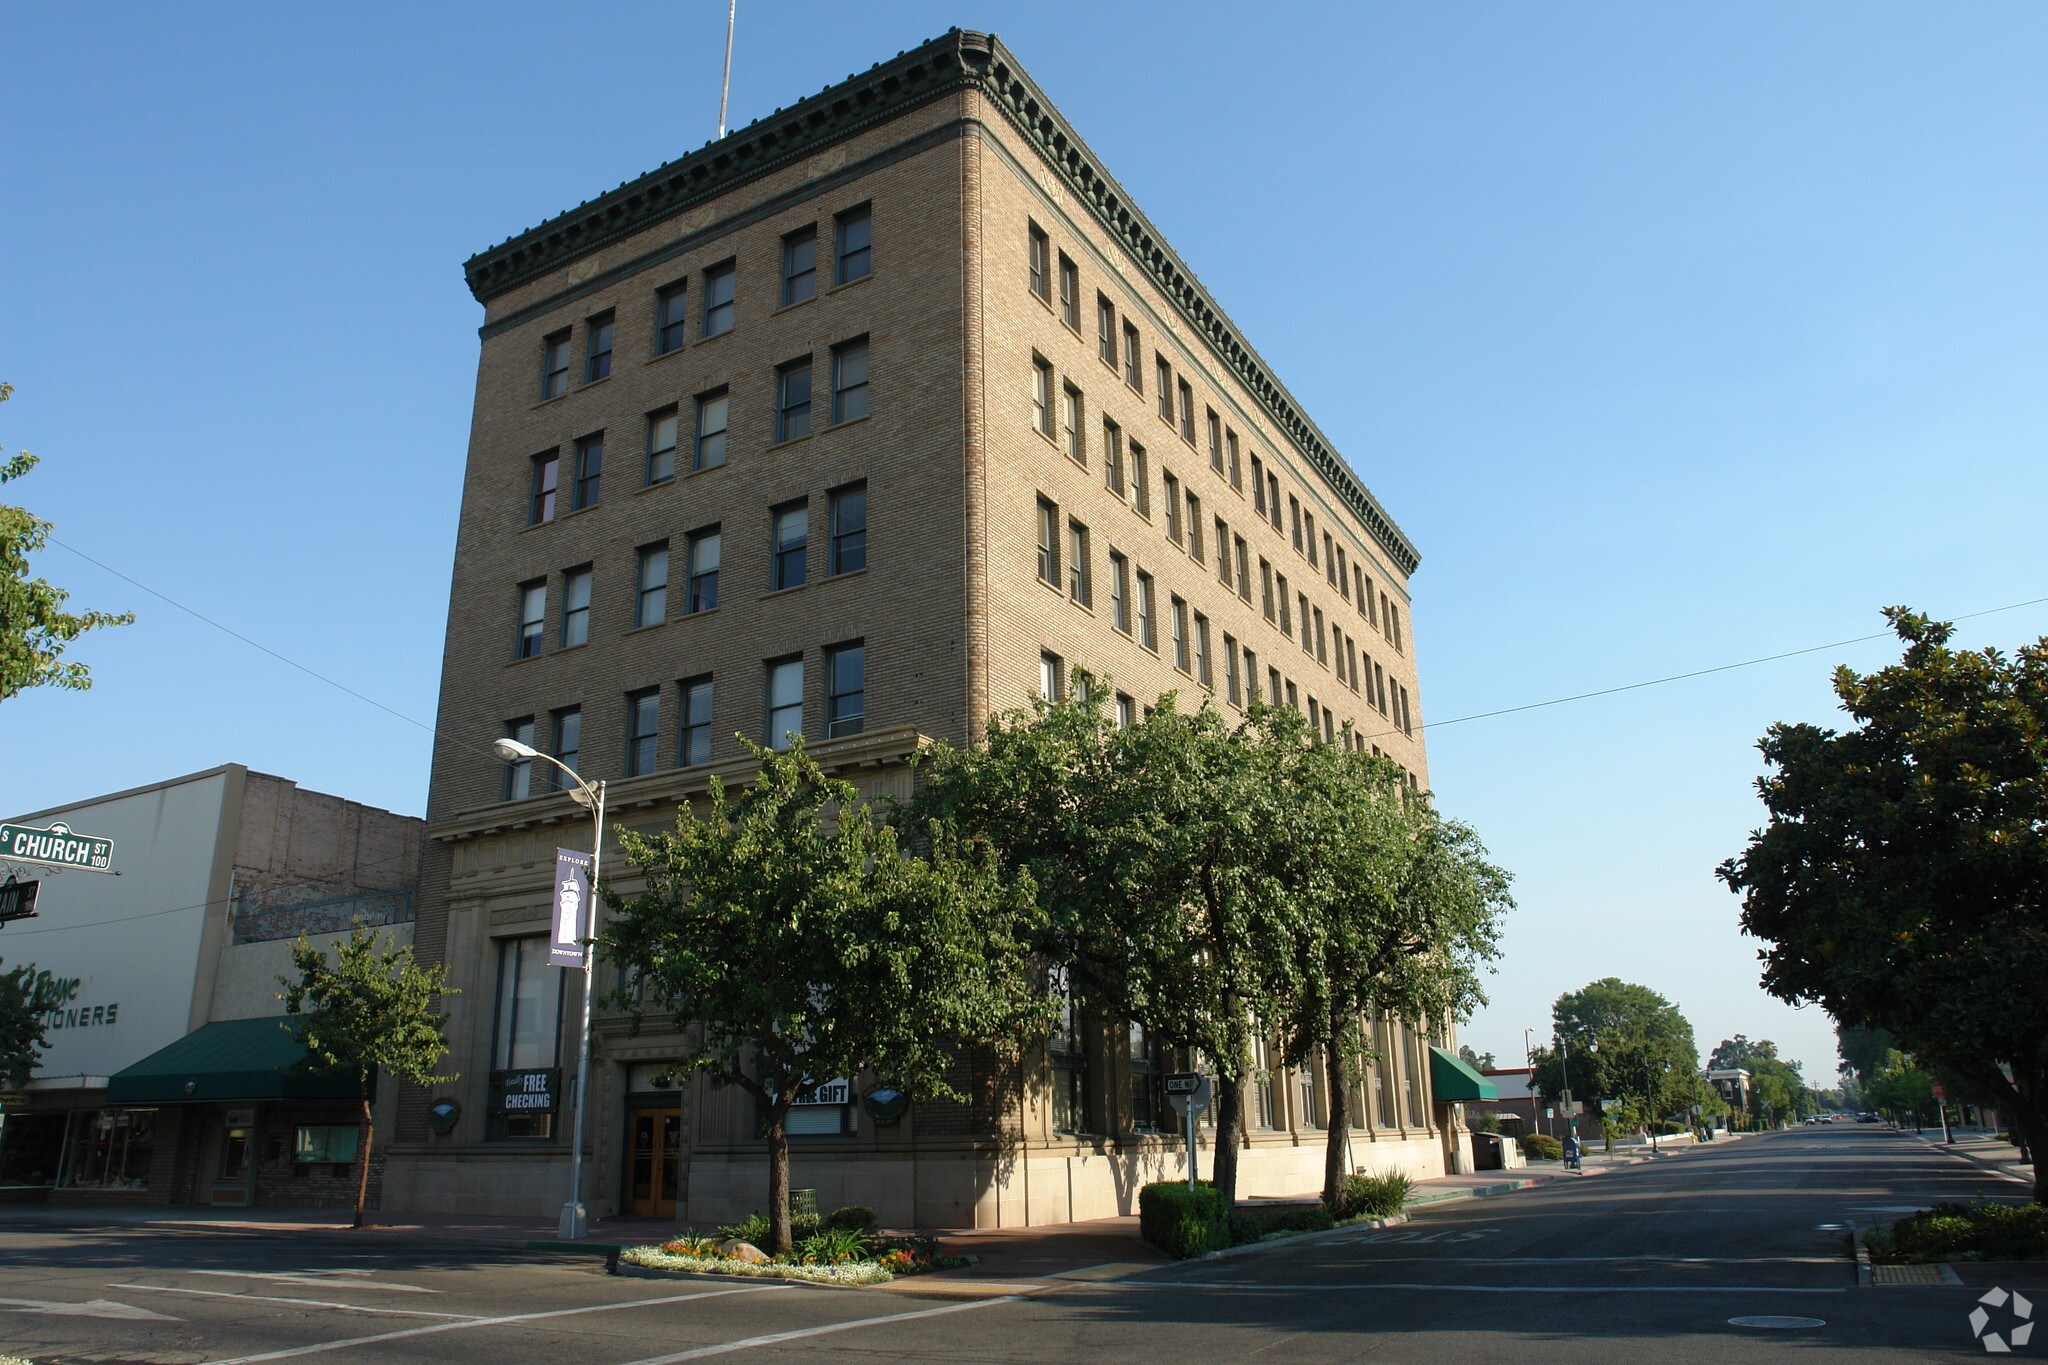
1651 1260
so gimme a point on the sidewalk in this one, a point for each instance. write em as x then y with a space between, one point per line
1979 1148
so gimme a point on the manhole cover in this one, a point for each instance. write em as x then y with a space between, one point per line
1772 1320
1830 1227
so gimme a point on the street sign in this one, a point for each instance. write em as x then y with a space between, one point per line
1182 1082
17 900
1192 1103
1940 1090
56 846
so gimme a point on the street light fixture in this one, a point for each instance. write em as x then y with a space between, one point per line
575 1221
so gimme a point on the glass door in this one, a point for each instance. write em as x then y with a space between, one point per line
654 1144
234 1166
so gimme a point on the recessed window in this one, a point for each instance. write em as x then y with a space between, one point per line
790 545
576 607
1244 569
1273 499
1195 550
1329 559
533 618
793 400
1222 553
597 353
708 448
671 318
785 701
568 745
1308 522
1112 457
694 743
1258 485
1070 425
718 295
1308 642
1266 589
589 467
1180 635
643 731
1215 441
1041 395
1070 292
1051 677
799 266
1039 249
519 772
856 244
1286 606
1148 622
1343 575
1187 412
1322 643
650 593
1126 711
1105 330
1294 519
850 380
1170 486
1163 373
547 472
554 366
704 548
1230 680
1236 469
1120 592
849 528
1134 371
1078 585
1202 669
1141 482
661 446
1048 542
845 690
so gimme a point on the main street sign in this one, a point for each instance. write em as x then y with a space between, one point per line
56 846
17 900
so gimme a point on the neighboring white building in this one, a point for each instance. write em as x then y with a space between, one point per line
171 966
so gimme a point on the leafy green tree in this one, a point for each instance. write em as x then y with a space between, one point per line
1740 1052
24 1001
1901 878
369 1011
1625 1046
1863 1050
807 945
1478 1061
34 627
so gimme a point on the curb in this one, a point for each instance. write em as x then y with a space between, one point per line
1980 1163
1865 1273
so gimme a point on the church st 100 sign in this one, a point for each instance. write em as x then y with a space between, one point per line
56 846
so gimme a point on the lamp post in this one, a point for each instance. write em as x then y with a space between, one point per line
575 1221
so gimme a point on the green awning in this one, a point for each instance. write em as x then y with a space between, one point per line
1451 1081
233 1059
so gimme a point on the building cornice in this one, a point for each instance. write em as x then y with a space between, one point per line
958 60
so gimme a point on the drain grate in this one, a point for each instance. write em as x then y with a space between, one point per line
1907 1274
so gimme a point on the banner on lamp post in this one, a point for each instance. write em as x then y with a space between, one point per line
572 908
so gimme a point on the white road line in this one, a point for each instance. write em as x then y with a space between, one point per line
346 1342
1589 1260
748 1343
310 1303
1452 1288
319 1279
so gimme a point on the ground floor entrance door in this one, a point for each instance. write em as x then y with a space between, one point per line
227 1167
654 1148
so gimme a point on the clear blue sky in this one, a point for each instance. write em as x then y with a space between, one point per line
1674 336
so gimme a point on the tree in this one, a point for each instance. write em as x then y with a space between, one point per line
1478 1061
24 1002
1863 1049
34 627
1901 879
1625 1046
806 945
1162 857
369 1012
1740 1052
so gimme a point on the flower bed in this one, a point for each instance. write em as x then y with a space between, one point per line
855 1261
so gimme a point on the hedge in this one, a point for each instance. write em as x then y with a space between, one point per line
1183 1222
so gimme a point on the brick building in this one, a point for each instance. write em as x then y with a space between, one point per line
866 422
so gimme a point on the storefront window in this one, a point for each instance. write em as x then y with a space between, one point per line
31 1148
527 1036
334 1143
108 1149
1068 1046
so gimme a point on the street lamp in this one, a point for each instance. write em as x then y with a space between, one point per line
575 1220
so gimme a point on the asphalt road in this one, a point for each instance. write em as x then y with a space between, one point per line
1648 1262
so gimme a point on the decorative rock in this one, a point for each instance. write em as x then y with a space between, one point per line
737 1250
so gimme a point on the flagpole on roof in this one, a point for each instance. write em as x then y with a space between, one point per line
725 90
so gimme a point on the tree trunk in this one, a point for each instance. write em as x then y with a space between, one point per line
1229 1125
1339 1112
780 1243
363 1161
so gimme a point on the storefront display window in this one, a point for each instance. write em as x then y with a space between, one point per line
108 1149
528 1033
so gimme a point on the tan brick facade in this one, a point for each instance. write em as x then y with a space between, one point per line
956 160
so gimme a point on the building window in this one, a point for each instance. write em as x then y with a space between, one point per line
1040 250
1170 489
1294 520
671 318
650 595
793 400
554 366
1222 553
1315 717
790 545
661 447
1041 395
1078 586
1311 1094
850 380
1203 673
1187 411
1251 678
1322 644
527 1031
1382 1086
799 266
322 1144
785 701
1266 589
1148 1099
1048 543
856 244
704 548
1258 485
1286 620
597 348
547 471
1364 592
1051 677
1308 642
568 747
1215 440
589 466
1070 425
718 296
708 448
1273 499
1329 560
846 670
1163 377
1195 549
643 731
1180 635
519 772
1293 698
1308 522
1126 712
1141 482
1273 686
1148 627
693 744
1393 615
1105 330
1120 592
533 617
1068 1047
1134 369
1343 575
1070 292
1112 457
849 528
1236 469
1230 680
576 607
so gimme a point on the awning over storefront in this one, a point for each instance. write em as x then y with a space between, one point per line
1451 1081
233 1059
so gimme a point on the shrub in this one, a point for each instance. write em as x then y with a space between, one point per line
1979 1232
1377 1196
1183 1222
753 1228
853 1218
833 1246
1543 1147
